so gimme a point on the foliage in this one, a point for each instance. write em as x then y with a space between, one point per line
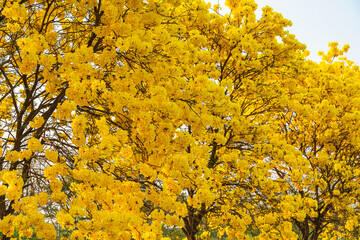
124 119
316 152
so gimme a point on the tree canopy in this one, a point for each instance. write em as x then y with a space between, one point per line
128 119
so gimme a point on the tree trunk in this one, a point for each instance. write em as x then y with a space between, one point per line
192 221
190 228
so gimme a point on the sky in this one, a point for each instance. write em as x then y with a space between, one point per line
318 22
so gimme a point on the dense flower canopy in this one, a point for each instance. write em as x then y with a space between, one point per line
130 119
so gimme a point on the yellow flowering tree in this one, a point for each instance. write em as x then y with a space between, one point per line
315 152
176 148
120 118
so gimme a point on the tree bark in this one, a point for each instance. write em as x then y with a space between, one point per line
192 221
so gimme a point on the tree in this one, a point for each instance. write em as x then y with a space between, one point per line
316 149
120 118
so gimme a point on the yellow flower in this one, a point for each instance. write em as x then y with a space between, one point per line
65 219
345 48
51 155
12 156
205 235
333 44
37 122
34 145
42 198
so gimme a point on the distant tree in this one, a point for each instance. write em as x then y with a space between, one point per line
316 151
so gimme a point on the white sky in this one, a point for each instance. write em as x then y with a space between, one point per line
318 22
